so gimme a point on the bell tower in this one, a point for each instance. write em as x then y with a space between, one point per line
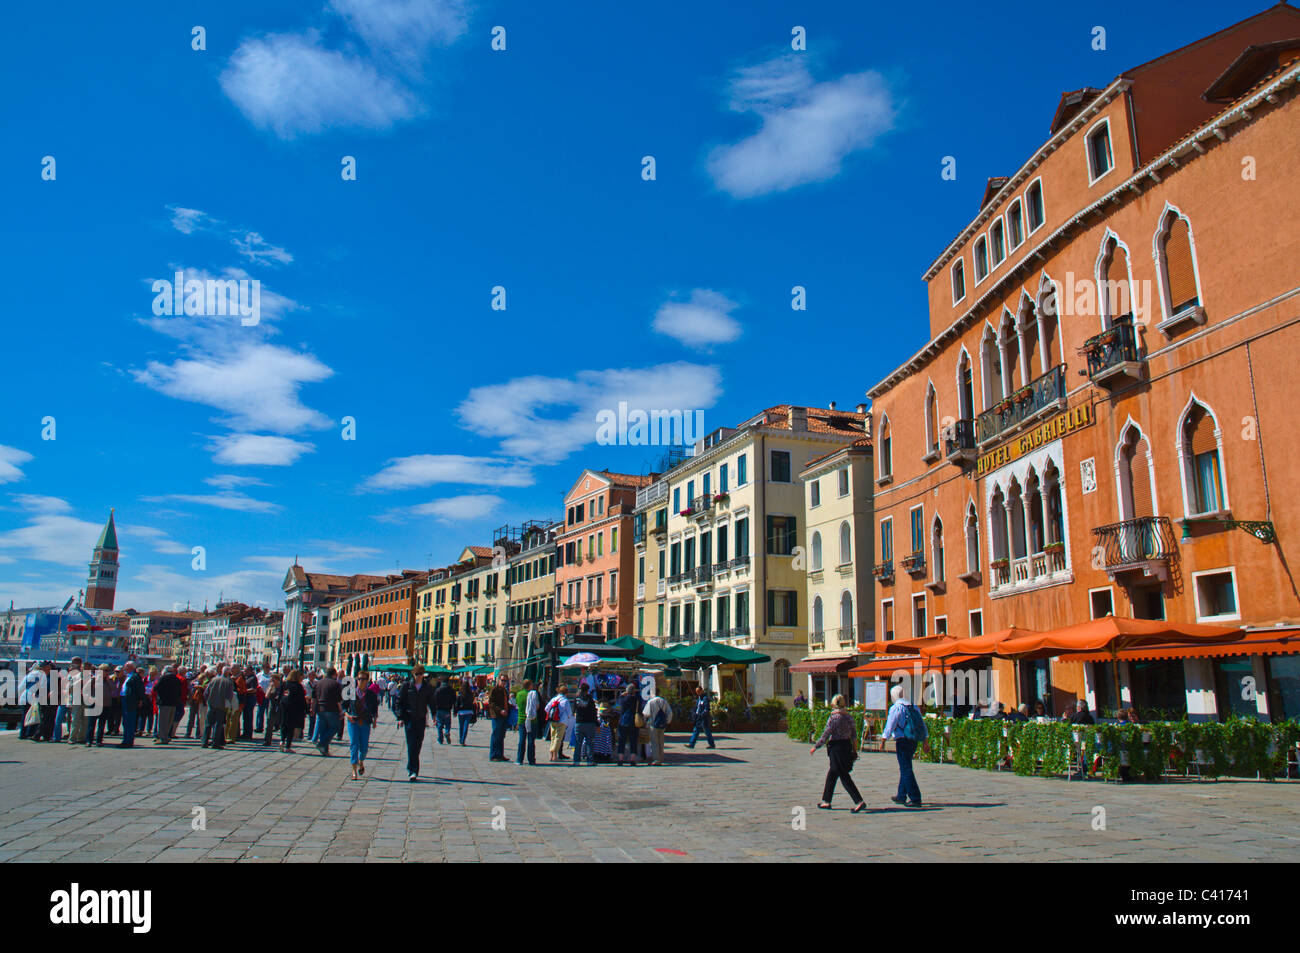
102 583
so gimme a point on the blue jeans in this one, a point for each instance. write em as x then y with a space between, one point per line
586 735
906 778
129 716
464 718
527 744
497 746
705 725
442 719
58 722
359 741
327 727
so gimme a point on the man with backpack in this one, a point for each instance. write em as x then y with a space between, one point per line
557 719
586 719
444 700
657 713
906 725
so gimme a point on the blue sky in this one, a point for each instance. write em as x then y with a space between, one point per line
475 168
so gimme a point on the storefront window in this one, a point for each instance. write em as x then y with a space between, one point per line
1230 685
1283 686
1159 689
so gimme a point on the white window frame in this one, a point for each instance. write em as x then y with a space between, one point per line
1236 594
1093 179
1042 201
1163 224
1108 320
1024 224
1186 463
971 615
848 482
993 265
974 254
952 280
815 545
1122 497
814 494
910 511
919 596
892 545
885 457
884 632
1107 589
945 624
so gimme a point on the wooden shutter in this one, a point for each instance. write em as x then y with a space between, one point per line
1200 433
771 606
889 620
1140 480
1178 266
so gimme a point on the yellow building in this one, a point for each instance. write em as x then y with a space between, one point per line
839 540
530 601
736 568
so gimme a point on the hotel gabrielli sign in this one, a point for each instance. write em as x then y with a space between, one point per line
1076 418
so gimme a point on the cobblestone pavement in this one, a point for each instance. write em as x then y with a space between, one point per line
738 802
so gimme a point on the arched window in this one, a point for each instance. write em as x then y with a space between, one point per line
972 539
886 449
1028 331
1016 523
1200 447
1009 346
991 387
998 525
816 552
936 546
817 627
965 387
846 544
1180 286
931 421
846 618
1114 284
1048 321
1055 516
1136 495
1034 535
781 677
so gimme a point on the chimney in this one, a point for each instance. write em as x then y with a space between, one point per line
862 408
832 405
798 418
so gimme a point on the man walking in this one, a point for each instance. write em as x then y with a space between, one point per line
529 708
444 700
168 691
906 726
327 699
657 713
414 702
499 712
557 718
703 720
586 721
220 695
132 699
264 683
78 679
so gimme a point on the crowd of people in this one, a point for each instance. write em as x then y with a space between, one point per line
223 704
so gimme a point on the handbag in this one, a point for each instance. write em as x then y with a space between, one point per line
33 716
639 720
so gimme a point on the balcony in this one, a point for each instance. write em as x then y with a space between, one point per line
817 642
913 564
1145 545
699 508
740 632
959 442
1041 397
660 587
703 576
651 494
640 590
1113 356
660 527
740 562
883 571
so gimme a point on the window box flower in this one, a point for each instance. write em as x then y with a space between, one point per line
1057 547
1000 563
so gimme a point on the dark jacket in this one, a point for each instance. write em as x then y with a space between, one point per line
328 695
444 697
1082 718
465 700
584 709
168 691
701 710
132 691
220 693
414 702
293 704
365 707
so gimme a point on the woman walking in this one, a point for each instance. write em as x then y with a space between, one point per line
149 704
360 712
95 724
464 709
838 739
293 709
272 714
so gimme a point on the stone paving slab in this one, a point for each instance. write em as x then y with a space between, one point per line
752 799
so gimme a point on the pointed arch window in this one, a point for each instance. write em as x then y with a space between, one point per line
886 450
965 387
1201 450
972 540
936 548
991 387
931 423
1180 289
846 544
1009 347
1114 285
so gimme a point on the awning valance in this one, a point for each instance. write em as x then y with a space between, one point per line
825 665
1254 644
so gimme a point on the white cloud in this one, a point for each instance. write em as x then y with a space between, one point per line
291 85
459 509
228 481
246 449
230 500
545 419
405 29
257 250
428 469
703 320
188 220
256 385
52 537
11 458
152 537
251 245
41 504
808 128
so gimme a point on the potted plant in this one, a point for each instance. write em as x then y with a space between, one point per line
1057 547
721 497
1000 563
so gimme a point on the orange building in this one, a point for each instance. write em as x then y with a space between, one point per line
378 626
594 588
1098 423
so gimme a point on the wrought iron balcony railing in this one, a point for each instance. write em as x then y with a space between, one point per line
959 441
1039 395
1113 356
1135 543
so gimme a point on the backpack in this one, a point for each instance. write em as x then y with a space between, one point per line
552 710
663 716
913 727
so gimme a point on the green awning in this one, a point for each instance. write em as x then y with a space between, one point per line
645 651
708 652
392 667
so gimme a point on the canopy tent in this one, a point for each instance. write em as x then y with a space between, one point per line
644 650
708 652
917 646
888 665
976 645
581 660
393 667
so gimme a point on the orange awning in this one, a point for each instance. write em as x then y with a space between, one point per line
986 644
1112 634
823 666
1255 643
885 667
925 645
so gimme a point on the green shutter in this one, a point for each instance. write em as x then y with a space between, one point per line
771 606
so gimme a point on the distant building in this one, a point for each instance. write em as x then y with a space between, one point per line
102 582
